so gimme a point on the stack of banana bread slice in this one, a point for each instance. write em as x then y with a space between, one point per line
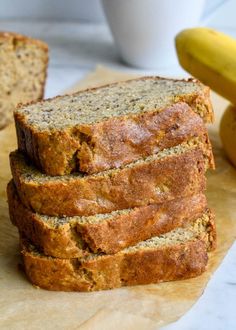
108 185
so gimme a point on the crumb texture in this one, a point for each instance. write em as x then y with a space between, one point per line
110 126
131 97
179 254
177 171
68 237
23 63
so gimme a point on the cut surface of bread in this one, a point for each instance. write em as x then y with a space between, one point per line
23 65
173 172
179 254
110 126
69 237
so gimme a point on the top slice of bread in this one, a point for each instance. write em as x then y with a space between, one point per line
23 64
110 126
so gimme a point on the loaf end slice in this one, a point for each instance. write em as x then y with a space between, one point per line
69 237
174 172
177 255
23 65
110 126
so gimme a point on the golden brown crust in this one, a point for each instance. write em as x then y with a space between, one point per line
153 265
116 141
108 236
14 35
58 241
144 222
119 141
142 267
157 264
144 183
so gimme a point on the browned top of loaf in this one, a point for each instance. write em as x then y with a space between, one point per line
20 37
118 99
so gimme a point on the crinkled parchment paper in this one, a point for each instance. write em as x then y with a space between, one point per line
144 307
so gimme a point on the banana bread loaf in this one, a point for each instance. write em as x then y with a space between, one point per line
23 65
179 254
70 237
174 172
110 126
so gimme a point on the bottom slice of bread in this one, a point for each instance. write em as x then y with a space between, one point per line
179 254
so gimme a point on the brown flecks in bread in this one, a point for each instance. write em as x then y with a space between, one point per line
69 237
23 64
173 172
111 126
122 98
179 254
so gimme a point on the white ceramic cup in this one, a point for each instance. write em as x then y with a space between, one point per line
144 30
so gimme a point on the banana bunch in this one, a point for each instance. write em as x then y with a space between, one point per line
210 56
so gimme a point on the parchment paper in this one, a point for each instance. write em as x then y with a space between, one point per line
142 307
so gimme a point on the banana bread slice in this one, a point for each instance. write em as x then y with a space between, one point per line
110 126
174 172
70 237
23 65
179 254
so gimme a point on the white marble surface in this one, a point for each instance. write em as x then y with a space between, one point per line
216 308
75 50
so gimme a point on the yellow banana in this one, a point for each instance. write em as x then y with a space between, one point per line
210 56
228 133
